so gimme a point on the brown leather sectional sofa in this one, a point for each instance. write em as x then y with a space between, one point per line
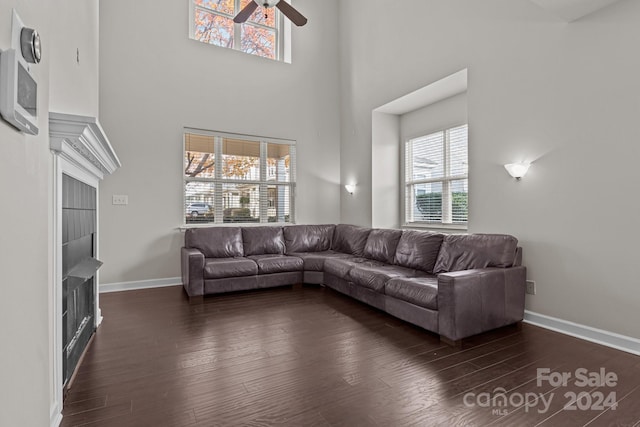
453 285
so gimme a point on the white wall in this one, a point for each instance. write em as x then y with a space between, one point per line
385 171
562 95
155 81
24 249
74 57
25 186
435 117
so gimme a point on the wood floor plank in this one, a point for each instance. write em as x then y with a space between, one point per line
71 408
589 405
312 357
518 376
556 395
102 414
626 413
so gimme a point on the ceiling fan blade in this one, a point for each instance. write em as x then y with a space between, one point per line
288 11
246 12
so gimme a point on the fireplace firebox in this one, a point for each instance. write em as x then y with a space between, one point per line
79 267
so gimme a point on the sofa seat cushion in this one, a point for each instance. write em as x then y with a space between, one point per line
268 264
219 268
314 261
340 267
375 275
421 291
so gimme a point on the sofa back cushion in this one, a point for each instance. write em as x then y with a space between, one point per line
381 245
215 242
308 238
418 249
262 240
350 239
469 251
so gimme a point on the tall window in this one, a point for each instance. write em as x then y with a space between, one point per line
212 22
231 178
436 180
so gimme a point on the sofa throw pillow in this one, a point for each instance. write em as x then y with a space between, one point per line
381 245
215 242
418 249
308 238
350 239
262 240
468 251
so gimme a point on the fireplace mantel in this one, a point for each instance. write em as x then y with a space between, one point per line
82 141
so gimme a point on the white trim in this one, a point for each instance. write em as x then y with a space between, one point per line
185 227
452 228
56 417
140 284
587 333
437 91
83 140
56 311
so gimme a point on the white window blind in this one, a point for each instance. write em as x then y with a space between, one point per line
238 179
436 180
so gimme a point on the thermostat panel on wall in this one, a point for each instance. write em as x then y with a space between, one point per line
18 92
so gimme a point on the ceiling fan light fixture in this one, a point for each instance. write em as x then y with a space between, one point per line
267 3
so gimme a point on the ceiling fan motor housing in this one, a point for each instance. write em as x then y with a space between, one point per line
267 3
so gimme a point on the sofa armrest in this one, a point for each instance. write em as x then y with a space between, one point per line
192 262
474 301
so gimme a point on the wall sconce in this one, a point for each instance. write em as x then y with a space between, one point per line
517 170
351 188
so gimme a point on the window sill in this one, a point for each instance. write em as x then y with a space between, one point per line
436 227
185 227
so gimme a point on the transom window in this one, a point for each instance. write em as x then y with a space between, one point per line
436 178
231 178
212 22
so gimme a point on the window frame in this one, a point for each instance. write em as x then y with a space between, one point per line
263 182
446 181
280 29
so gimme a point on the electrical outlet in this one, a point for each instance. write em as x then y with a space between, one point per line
120 200
531 287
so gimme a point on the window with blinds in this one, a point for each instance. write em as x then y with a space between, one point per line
436 179
232 178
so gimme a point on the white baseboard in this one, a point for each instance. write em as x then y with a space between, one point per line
55 416
587 333
140 284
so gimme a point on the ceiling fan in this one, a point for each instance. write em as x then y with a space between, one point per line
284 7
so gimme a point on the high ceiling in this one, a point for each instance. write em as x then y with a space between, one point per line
570 10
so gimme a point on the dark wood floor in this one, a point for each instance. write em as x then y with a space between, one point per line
310 356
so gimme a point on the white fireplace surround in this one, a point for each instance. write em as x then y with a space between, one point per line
81 150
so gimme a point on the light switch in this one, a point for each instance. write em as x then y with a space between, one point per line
119 199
